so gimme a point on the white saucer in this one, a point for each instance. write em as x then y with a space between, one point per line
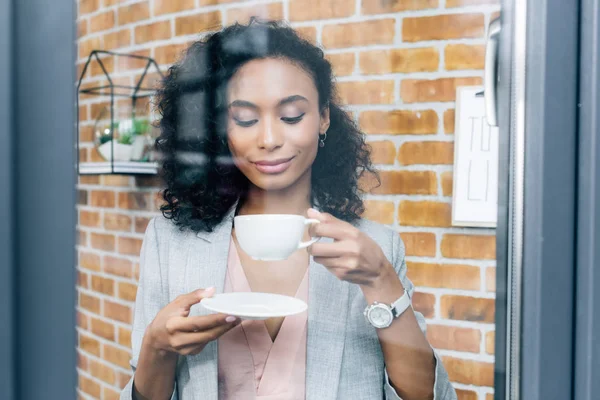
251 305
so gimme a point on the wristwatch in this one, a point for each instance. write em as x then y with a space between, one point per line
382 315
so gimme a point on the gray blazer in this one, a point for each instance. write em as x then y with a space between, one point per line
344 359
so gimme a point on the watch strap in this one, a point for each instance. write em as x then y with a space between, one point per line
400 305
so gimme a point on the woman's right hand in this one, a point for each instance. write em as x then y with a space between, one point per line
174 331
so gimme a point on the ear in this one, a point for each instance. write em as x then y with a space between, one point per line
325 120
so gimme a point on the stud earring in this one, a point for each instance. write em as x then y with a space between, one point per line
322 138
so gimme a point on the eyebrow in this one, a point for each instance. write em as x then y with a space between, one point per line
287 100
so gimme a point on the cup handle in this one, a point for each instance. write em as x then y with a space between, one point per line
304 245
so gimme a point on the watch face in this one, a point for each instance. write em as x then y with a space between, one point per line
380 316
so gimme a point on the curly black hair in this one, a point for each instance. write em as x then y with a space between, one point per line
202 183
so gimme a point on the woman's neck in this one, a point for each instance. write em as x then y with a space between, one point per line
292 200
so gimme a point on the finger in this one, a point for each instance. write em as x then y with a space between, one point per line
337 230
338 263
198 323
335 249
185 301
192 339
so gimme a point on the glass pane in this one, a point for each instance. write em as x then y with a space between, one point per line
346 106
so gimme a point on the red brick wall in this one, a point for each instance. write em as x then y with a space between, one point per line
398 63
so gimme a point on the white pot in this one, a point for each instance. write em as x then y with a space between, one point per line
122 151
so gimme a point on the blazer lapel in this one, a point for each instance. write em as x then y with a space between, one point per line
327 313
206 267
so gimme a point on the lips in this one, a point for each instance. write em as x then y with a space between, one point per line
273 166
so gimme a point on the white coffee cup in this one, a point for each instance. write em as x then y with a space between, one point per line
270 237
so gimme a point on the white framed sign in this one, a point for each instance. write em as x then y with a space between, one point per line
475 184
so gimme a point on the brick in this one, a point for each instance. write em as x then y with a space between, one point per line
90 303
82 361
83 279
89 344
426 59
87 45
169 54
124 337
364 33
133 13
151 32
308 33
141 223
89 179
490 279
117 312
477 247
469 372
117 222
116 180
172 6
462 56
383 152
425 213
342 63
101 241
394 6
83 155
447 182
406 182
490 338
89 386
197 23
130 246
82 239
118 266
426 153
399 122
306 10
89 261
102 372
434 90
366 92
419 244
116 356
89 218
88 6
136 271
103 198
86 134
127 291
82 30
454 338
107 62
103 285
123 378
102 22
82 320
467 308
110 394
449 121
135 201
131 63
103 329
271 11
379 211
216 2
489 396
424 303
443 27
466 394
118 39
448 276
463 3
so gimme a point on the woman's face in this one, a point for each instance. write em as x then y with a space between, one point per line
274 123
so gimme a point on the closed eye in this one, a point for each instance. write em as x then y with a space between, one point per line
245 124
292 120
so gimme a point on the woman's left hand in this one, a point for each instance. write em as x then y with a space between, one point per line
353 256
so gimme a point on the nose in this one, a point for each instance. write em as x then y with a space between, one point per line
271 136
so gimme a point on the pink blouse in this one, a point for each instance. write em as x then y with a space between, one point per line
251 365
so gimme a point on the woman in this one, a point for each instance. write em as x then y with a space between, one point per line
250 125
